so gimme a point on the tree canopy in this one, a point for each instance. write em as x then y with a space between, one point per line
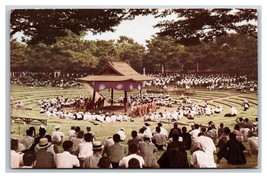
195 25
45 25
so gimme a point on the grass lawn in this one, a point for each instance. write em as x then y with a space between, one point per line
30 97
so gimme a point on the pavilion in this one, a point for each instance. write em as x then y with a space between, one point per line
118 75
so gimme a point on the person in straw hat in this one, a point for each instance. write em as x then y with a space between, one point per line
57 135
92 161
45 159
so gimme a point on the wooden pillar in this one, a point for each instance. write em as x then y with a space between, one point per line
125 101
111 96
94 99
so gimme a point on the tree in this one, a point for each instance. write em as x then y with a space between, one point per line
46 25
104 51
164 51
195 25
18 61
68 54
131 51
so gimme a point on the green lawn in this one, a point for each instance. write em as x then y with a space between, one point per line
30 96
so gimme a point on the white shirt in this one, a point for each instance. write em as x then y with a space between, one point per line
122 134
206 143
16 159
200 159
194 133
27 141
85 149
66 160
253 144
71 132
125 160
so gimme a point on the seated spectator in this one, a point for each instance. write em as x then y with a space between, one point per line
57 135
121 132
16 157
173 158
85 148
66 159
159 139
93 160
239 135
29 159
45 159
223 138
104 162
135 139
232 151
124 162
253 143
233 112
134 163
116 151
146 150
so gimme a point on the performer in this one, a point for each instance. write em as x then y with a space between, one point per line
245 105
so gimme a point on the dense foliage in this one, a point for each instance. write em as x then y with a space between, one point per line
54 40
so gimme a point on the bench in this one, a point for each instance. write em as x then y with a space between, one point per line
28 120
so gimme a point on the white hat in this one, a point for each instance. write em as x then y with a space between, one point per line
57 127
97 145
180 139
147 135
43 143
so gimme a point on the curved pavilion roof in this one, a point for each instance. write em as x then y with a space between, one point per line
116 71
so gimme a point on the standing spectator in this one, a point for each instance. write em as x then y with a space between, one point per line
116 151
66 159
232 151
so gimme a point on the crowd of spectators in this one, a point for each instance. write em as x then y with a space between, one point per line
83 149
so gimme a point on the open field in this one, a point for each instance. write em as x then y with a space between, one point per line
225 98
